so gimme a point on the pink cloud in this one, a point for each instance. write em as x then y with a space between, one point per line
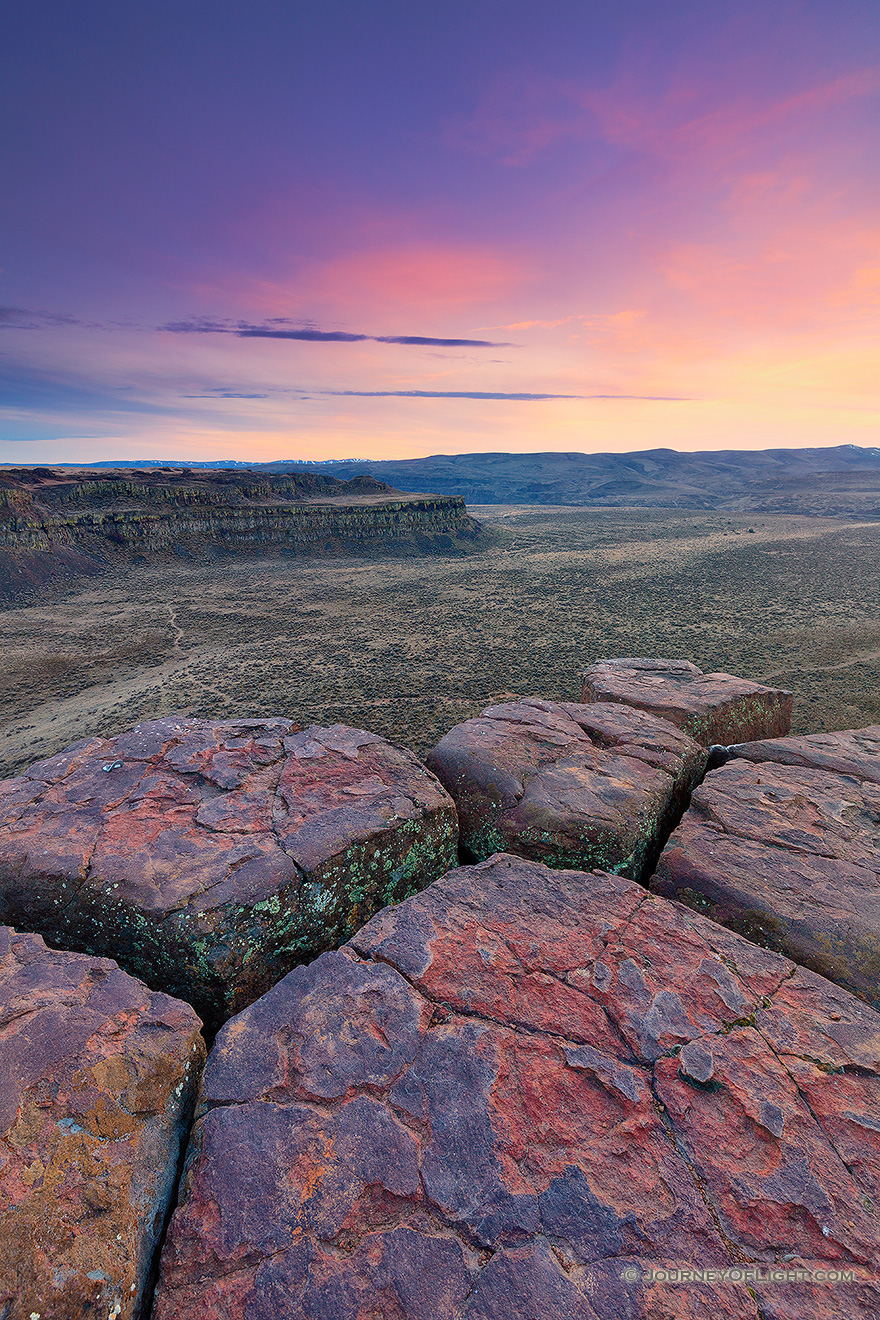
525 112
423 277
673 125
415 280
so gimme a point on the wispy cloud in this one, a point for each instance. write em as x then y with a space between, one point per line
277 329
302 392
523 113
20 318
485 394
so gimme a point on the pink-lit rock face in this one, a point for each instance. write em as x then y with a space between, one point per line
788 853
713 708
209 856
97 1079
854 752
517 1094
567 784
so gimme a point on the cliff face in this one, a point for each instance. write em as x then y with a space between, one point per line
54 525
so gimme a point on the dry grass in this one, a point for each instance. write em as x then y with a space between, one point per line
409 647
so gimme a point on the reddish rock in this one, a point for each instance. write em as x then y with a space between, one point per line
854 752
713 708
567 784
97 1079
209 857
519 1095
790 857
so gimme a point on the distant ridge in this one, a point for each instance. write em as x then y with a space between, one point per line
844 479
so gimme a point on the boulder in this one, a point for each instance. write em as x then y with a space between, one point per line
567 784
97 1079
854 752
526 1093
789 856
209 857
713 708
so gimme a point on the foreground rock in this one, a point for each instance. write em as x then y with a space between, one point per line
516 1095
713 708
97 1079
210 857
789 856
566 784
854 752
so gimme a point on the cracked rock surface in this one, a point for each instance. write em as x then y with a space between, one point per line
517 1094
854 752
97 1080
713 708
787 852
210 856
566 784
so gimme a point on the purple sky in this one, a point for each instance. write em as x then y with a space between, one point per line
240 231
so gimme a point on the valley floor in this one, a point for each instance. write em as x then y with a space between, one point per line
409 647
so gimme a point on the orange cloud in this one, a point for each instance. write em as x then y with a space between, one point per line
790 280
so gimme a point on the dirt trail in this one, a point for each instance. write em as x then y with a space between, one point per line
863 657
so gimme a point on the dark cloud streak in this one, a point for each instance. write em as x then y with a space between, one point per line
273 330
310 336
438 343
19 318
481 394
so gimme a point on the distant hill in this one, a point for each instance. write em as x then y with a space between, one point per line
840 480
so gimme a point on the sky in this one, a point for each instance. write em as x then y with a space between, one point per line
388 228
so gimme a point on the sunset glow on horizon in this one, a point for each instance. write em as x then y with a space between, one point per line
240 233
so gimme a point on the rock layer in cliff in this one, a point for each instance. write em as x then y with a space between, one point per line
97 1080
522 1093
209 857
56 524
784 847
566 784
713 708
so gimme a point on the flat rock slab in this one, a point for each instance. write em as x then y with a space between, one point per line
789 856
713 708
97 1080
567 784
517 1095
209 857
854 752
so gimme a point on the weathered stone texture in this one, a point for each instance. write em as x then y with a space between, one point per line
789 856
567 784
97 1079
511 1089
209 857
854 752
713 708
